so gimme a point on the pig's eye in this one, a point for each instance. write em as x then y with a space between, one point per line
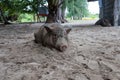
54 38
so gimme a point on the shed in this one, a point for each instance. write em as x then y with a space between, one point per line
43 11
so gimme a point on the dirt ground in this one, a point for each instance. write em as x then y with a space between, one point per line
93 54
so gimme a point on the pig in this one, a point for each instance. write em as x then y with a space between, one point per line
103 22
53 36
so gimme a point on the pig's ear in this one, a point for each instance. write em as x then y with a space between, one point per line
49 30
68 30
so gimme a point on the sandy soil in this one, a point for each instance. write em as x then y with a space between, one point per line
93 54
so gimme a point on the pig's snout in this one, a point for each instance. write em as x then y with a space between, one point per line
63 47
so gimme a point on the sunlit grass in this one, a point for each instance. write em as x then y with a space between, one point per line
30 18
25 18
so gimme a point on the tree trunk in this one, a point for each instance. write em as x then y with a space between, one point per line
63 20
55 12
3 17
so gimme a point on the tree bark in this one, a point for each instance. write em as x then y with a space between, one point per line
3 17
55 12
63 20
52 9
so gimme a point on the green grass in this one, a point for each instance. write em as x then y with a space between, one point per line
25 18
29 18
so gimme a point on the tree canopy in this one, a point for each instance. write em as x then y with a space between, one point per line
77 8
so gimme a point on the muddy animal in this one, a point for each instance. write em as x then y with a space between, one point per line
103 22
53 36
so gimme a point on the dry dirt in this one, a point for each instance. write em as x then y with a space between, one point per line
93 54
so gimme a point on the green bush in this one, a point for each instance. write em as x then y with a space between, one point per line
25 18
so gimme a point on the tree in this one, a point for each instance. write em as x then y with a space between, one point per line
54 11
3 17
10 9
63 9
77 8
13 8
56 8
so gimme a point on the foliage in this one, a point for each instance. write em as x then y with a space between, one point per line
25 17
17 7
93 16
77 8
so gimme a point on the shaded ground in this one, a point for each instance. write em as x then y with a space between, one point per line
94 54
